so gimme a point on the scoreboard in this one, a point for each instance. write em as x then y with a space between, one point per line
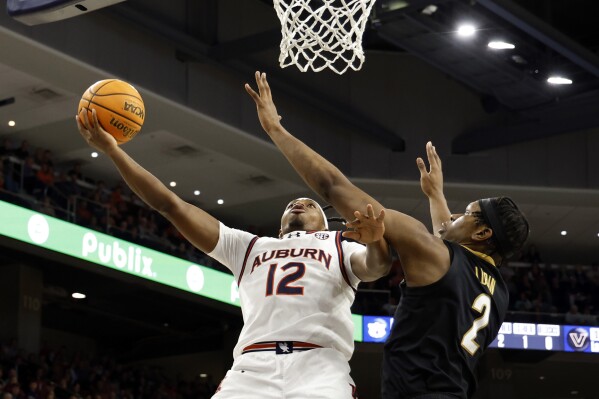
524 336
547 337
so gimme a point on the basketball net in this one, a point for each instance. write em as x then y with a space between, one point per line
325 35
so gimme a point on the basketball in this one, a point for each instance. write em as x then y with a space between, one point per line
119 107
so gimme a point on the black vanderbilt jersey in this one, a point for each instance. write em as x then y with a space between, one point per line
440 330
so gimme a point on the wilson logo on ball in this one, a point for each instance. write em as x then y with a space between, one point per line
127 131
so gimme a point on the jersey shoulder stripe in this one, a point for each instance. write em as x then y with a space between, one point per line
341 263
245 258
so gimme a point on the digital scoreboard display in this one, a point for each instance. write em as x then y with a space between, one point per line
547 337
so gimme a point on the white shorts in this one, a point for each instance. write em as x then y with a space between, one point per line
321 373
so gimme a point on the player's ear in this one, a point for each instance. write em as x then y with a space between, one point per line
483 233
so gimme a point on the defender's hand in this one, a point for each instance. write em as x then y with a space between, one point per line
431 181
267 112
366 228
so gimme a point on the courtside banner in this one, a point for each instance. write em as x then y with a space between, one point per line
101 249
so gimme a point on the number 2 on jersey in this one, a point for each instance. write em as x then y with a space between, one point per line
284 287
481 304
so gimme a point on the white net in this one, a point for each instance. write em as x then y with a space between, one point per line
319 34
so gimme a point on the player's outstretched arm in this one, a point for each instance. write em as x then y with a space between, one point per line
200 228
375 261
423 255
431 182
322 176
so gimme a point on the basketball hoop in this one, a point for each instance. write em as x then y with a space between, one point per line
319 34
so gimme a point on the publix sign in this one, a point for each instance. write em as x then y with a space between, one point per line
117 255
107 251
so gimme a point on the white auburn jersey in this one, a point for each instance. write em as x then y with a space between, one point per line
296 288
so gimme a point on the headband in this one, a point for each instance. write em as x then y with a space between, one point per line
487 209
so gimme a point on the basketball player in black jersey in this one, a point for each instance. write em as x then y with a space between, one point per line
454 299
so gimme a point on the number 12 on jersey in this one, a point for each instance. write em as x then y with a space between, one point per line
285 287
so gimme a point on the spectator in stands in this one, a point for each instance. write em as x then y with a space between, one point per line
6 149
47 158
116 197
68 186
44 179
75 171
23 151
14 388
523 304
29 175
38 156
32 391
573 317
83 214
531 255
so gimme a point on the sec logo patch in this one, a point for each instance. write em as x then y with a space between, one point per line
321 236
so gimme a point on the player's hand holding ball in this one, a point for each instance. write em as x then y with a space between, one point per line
110 108
92 132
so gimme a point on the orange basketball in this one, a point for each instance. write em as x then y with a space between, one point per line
119 107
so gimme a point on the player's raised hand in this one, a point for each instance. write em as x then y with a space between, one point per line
93 134
366 228
267 112
431 181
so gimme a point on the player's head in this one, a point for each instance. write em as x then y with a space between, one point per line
303 214
493 224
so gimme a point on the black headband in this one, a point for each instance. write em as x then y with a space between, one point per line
487 209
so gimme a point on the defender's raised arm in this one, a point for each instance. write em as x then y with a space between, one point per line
424 256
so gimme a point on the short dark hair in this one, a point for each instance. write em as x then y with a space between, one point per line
513 224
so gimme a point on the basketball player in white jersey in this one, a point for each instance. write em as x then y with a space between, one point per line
295 290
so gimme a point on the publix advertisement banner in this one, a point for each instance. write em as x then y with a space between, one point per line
107 251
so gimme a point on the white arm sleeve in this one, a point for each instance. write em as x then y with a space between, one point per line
231 248
348 249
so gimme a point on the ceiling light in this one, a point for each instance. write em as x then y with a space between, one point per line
11 123
173 183
466 30
499 45
78 295
558 80
203 375
574 392
518 59
542 377
94 154
429 10
564 232
220 202
392 5
196 192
